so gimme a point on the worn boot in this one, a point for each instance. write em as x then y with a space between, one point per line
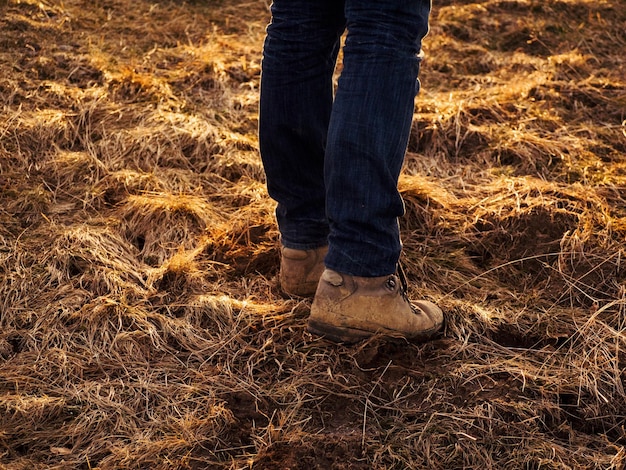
347 309
300 270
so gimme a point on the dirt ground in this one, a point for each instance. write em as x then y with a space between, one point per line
141 325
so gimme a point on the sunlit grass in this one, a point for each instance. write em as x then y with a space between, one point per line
141 325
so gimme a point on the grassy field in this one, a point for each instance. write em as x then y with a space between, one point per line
141 325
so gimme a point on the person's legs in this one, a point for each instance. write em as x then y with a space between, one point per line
296 100
368 133
359 293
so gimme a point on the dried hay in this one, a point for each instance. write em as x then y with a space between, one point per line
140 321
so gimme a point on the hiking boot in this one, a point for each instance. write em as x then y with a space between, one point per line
347 309
300 270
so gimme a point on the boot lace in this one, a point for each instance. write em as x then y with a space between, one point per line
404 286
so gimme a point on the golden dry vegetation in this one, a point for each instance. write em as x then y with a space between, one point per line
141 325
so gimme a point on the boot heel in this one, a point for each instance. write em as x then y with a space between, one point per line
336 333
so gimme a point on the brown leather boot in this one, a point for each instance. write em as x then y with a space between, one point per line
300 270
347 309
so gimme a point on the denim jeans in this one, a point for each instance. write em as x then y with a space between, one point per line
332 162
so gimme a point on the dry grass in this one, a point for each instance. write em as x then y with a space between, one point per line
140 321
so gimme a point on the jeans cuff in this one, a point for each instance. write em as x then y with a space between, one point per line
304 246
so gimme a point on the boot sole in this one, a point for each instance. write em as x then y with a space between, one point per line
306 292
336 333
353 335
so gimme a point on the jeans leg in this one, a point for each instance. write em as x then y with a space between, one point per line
299 58
368 133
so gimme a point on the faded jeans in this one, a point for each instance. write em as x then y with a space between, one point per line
332 163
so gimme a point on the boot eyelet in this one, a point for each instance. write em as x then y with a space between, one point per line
390 283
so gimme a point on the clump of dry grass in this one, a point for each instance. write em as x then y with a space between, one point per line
95 259
159 224
140 321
